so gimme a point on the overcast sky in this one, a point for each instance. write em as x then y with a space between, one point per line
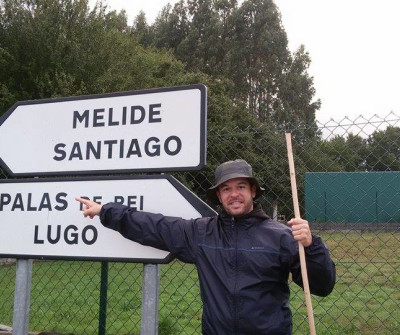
354 47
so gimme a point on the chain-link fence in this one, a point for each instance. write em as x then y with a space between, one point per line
347 179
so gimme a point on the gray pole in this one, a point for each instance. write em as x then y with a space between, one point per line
151 279
275 210
22 296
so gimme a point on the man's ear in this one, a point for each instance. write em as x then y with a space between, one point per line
218 196
253 190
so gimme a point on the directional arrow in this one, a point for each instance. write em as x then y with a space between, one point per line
39 218
138 131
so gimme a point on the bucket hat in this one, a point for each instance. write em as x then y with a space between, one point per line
238 168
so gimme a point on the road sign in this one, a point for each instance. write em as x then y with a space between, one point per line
40 218
138 131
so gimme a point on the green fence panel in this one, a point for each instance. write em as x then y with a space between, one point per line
352 197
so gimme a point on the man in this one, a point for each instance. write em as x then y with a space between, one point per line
243 258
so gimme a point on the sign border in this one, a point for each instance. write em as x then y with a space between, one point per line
203 131
192 198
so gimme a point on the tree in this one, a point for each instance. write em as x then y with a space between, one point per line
295 109
171 26
248 46
347 154
54 47
51 48
384 150
141 29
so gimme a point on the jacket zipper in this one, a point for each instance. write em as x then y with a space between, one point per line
235 302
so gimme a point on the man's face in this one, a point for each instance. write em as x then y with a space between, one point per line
236 195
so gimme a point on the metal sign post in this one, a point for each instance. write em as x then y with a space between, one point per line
151 279
22 297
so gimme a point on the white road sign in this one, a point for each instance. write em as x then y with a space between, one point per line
40 218
138 131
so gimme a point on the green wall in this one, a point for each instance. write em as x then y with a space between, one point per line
371 197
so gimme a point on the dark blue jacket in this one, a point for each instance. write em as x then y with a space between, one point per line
243 264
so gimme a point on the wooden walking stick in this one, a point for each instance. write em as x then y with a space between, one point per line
303 266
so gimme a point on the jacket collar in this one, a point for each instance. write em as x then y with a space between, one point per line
255 215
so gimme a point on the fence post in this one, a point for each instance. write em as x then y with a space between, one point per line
103 298
22 296
149 322
275 210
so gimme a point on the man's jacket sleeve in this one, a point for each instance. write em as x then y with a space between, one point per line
321 271
172 234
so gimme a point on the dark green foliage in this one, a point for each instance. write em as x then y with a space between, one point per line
54 48
378 152
347 154
247 47
384 150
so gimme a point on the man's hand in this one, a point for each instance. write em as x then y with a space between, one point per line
301 231
90 208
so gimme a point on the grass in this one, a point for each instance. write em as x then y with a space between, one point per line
65 295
